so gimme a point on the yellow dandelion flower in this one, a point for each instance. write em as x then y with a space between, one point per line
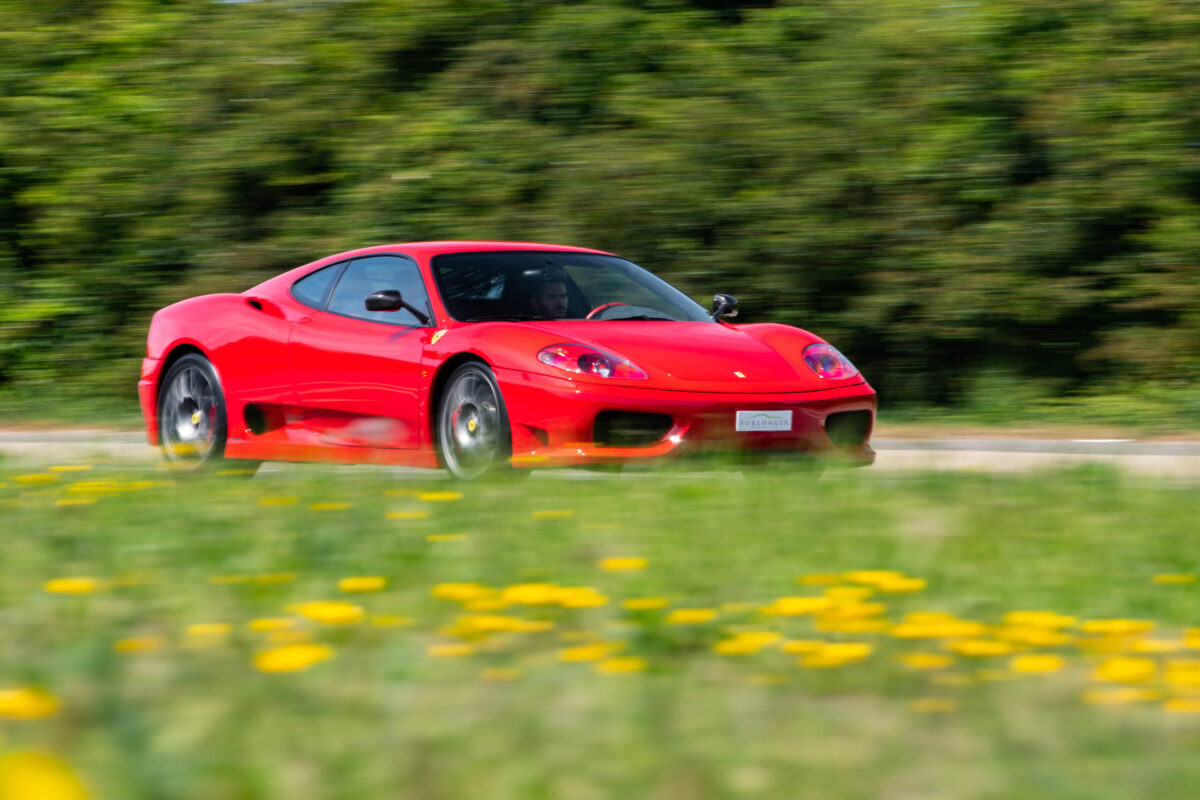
926 661
1157 646
207 633
69 468
35 479
980 647
854 611
646 603
531 594
835 655
586 652
624 665
439 497
499 674
362 584
933 705
902 585
1117 627
268 624
137 644
950 629
581 597
623 563
76 501
872 576
391 621
292 657
1032 635
330 612
820 579
1036 664
446 537
797 647
1122 669
275 578
453 650
1191 639
329 506
796 606
848 594
746 643
493 603
1120 696
461 592
1183 673
1175 579
403 514
691 616
929 617
831 624
72 586
27 702
1182 705
34 776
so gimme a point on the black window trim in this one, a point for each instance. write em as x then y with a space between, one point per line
340 266
342 274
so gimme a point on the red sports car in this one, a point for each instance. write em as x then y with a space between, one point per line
487 355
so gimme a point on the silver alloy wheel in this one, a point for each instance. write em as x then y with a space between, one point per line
472 426
190 413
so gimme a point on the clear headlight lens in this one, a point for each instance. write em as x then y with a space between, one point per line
828 363
585 360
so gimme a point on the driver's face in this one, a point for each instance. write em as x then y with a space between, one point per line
551 300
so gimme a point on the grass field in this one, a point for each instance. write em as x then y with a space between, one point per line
352 633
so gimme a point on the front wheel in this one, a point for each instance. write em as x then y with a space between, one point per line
472 429
192 421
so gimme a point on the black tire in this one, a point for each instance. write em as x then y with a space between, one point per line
192 420
473 434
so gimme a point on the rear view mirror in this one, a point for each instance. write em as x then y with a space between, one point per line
724 305
387 300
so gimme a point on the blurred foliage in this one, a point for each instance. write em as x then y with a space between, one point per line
942 189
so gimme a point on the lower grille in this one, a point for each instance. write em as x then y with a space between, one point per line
848 427
629 428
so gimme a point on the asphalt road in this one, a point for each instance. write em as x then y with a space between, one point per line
1162 459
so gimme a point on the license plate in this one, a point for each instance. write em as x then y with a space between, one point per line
763 421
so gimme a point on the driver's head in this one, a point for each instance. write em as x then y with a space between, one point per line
550 300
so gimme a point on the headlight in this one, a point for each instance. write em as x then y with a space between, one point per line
584 360
828 363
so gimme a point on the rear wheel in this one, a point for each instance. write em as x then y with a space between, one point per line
472 427
192 420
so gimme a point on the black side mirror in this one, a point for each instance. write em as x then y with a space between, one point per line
387 300
390 300
724 305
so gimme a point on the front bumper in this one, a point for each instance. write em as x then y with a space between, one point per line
147 391
553 420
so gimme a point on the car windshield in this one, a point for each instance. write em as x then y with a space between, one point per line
519 285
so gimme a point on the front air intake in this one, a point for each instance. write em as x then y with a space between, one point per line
629 428
848 428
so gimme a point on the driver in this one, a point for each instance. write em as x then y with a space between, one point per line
550 299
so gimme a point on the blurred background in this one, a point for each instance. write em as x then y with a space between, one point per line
992 207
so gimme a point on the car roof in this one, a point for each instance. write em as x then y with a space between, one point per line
428 249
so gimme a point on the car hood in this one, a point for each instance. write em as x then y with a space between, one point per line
705 356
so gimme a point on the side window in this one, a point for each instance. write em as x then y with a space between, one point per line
373 274
313 288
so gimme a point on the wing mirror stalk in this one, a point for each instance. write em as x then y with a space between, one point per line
390 300
724 306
